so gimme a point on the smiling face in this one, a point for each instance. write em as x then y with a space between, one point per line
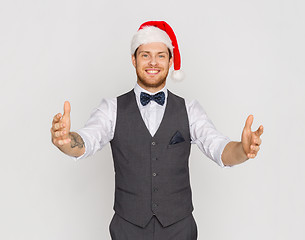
152 63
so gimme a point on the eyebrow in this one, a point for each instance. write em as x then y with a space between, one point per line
150 52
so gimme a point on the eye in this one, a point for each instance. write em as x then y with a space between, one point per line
145 55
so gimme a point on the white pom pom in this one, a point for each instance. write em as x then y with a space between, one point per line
177 76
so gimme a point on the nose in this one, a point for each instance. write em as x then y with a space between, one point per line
153 61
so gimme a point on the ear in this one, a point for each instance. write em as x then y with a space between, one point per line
134 62
171 62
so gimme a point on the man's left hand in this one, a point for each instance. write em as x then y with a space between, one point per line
251 140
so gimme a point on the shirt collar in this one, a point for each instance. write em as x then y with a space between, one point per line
138 90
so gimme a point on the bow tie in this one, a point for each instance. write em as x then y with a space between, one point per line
146 98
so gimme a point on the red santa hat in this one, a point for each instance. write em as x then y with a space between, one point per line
159 31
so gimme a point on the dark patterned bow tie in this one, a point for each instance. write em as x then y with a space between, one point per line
146 98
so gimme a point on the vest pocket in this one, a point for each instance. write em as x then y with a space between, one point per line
177 144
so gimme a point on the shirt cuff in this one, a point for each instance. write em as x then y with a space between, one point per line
220 151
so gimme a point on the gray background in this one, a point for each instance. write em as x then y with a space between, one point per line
241 57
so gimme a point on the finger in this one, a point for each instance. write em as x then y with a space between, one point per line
59 133
254 149
56 118
251 155
249 122
53 133
58 126
257 141
59 140
64 141
67 109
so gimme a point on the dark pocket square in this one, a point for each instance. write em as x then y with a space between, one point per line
177 138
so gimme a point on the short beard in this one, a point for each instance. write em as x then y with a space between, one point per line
151 85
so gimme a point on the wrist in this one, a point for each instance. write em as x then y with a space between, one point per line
242 150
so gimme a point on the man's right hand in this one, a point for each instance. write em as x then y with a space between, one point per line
60 129
61 134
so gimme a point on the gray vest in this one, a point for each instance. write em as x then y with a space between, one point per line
151 175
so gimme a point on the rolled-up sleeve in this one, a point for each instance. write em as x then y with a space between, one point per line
99 129
204 134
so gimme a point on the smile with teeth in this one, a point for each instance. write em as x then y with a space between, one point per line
152 71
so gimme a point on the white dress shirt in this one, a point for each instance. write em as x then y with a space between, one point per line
100 127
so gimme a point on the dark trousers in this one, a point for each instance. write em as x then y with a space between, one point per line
185 229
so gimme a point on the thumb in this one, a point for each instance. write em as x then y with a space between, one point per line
249 122
260 130
67 109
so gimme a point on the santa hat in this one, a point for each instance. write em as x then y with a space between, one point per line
159 31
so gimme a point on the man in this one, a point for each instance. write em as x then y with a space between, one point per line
151 130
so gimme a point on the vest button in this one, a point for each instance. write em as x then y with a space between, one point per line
155 205
153 143
154 158
154 174
156 189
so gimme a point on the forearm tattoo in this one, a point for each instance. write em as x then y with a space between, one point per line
76 140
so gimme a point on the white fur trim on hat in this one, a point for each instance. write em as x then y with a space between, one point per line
177 75
148 35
